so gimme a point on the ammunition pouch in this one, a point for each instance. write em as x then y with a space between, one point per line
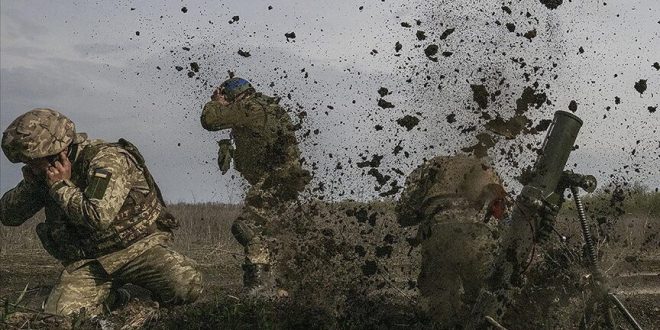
166 221
57 241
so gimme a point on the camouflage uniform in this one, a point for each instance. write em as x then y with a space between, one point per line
107 224
268 157
454 200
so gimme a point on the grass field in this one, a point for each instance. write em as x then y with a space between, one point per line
352 296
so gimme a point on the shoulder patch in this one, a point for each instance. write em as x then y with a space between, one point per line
98 184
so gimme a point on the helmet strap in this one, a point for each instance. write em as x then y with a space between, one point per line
72 151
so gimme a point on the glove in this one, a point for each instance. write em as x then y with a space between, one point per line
225 154
547 214
542 212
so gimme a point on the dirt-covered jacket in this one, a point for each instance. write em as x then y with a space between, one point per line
446 183
262 131
110 203
455 202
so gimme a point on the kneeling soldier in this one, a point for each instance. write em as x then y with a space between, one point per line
105 217
457 202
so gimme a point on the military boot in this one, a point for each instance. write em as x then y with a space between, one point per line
258 280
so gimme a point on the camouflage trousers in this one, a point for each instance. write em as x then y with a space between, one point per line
264 202
252 228
457 253
171 277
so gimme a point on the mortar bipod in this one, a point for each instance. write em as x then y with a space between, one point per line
574 181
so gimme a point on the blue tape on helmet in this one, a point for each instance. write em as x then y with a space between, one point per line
233 84
234 87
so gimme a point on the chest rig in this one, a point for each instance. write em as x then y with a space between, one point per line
139 216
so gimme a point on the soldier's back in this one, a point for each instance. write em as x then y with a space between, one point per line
449 197
266 144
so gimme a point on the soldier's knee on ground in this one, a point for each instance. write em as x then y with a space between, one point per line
188 291
87 287
183 287
171 277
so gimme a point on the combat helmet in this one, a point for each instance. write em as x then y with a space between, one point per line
37 133
233 87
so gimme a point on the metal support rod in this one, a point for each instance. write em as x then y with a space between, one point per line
586 232
624 311
495 323
593 259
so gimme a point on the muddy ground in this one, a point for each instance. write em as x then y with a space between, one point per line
355 296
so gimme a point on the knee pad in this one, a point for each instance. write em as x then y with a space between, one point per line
242 232
187 288
194 287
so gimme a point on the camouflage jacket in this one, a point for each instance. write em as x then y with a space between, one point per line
82 213
449 184
262 131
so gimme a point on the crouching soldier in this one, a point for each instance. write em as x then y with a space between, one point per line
267 156
105 217
457 202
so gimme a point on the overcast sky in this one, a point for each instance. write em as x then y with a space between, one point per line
112 68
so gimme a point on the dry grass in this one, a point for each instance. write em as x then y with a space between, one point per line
205 236
21 238
619 200
205 228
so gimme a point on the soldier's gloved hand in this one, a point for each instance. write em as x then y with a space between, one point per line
547 214
225 155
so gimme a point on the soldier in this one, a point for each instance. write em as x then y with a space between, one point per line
457 202
105 217
268 157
